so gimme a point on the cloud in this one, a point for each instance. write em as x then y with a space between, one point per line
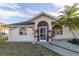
56 14
31 11
14 12
10 5
9 13
61 3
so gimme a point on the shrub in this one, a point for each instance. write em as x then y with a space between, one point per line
74 41
3 39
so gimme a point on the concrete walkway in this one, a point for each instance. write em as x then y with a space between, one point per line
58 49
66 45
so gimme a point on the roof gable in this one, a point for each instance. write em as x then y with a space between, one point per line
43 14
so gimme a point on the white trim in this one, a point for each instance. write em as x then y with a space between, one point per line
43 40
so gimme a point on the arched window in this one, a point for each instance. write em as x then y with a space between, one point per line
42 23
22 31
58 30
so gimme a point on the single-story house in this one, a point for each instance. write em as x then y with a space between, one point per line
39 28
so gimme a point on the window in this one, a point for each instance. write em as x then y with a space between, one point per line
22 31
57 30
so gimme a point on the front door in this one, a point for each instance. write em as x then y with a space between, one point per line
43 33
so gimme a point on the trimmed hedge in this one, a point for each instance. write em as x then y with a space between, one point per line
74 41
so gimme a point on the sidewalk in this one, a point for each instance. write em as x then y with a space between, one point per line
67 45
57 49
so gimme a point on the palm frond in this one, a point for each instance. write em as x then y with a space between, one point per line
69 17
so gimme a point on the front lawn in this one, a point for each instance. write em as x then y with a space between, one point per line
24 49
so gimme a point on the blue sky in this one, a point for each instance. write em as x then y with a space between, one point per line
17 12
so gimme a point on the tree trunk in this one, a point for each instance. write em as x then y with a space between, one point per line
73 33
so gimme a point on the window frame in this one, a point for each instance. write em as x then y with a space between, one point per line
22 31
57 30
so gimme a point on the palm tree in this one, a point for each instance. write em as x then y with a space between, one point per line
70 17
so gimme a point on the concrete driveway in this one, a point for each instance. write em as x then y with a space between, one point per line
62 47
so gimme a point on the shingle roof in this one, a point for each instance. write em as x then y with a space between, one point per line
23 23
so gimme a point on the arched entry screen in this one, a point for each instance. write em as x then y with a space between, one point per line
42 23
43 31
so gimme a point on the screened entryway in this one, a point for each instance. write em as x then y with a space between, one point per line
42 31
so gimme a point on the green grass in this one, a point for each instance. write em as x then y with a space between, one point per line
2 40
24 49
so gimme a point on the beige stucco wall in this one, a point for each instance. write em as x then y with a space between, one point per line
43 18
67 34
15 37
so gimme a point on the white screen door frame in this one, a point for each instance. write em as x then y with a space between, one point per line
43 33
